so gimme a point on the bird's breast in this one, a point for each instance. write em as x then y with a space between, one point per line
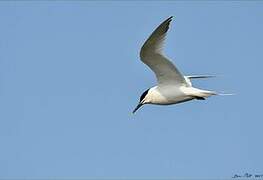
169 95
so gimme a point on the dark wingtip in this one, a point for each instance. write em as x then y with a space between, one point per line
167 23
170 18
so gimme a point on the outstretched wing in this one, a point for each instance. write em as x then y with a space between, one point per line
151 55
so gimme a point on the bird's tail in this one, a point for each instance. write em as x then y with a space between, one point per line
211 93
226 94
207 93
201 93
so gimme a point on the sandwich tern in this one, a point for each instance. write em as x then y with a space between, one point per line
172 87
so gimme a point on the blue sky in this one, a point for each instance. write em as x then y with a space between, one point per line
70 76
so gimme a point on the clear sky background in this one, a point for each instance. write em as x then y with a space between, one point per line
70 76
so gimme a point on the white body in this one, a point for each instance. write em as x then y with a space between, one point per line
166 95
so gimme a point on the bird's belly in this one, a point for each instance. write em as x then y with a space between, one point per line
172 96
174 100
177 100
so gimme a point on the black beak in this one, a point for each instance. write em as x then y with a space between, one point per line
137 107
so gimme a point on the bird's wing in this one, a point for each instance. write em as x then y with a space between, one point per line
151 55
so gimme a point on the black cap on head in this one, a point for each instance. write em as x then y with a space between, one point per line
141 98
144 94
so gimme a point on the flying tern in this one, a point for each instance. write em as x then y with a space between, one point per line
172 87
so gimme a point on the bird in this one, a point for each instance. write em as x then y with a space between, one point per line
172 86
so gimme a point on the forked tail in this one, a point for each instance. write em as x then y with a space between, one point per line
206 93
200 93
226 94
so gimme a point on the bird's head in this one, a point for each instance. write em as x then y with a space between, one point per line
143 100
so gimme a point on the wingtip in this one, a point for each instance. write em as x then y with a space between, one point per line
170 18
